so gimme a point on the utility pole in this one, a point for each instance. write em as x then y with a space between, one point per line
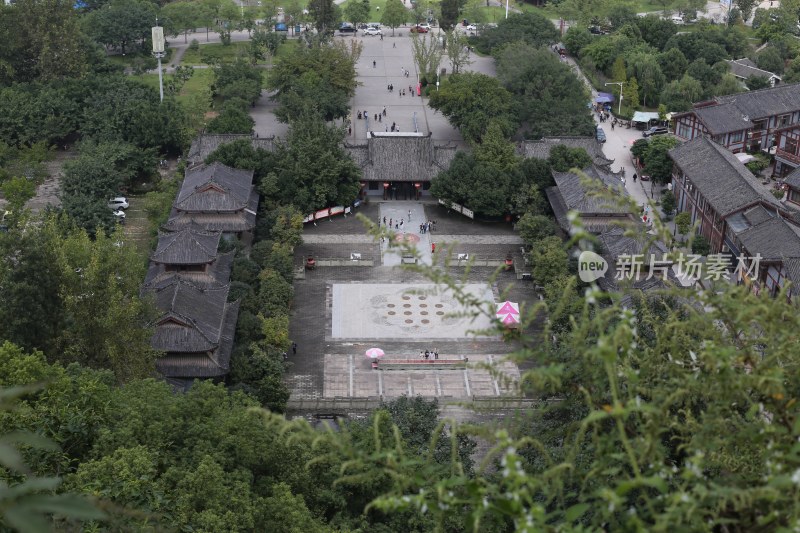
620 83
158 52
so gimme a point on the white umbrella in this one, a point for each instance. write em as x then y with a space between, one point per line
374 353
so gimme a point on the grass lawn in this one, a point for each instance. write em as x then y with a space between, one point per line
375 13
217 51
203 77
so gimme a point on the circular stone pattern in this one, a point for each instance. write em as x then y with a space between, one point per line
423 305
423 312
406 305
439 306
392 313
426 321
409 238
440 313
406 297
407 313
390 306
409 321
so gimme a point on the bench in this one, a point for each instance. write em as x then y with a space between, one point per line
418 364
408 260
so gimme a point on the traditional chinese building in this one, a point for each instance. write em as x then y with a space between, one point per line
744 69
597 212
400 166
742 122
195 331
541 149
735 212
216 197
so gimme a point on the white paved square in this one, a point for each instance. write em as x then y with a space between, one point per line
400 311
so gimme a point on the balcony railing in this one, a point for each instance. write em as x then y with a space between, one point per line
787 156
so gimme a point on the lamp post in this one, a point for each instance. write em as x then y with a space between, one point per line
158 51
620 83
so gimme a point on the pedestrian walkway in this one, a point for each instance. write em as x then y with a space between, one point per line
412 214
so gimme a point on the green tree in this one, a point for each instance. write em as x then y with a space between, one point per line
754 83
122 24
746 7
180 17
673 64
563 158
450 10
683 222
324 14
668 203
233 119
533 228
17 191
729 84
576 39
618 71
531 28
394 14
630 94
549 260
549 98
357 11
679 95
646 71
312 168
770 59
427 55
471 101
656 31
657 160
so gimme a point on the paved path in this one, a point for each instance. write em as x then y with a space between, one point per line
411 214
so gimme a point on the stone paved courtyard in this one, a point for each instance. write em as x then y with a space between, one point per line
340 312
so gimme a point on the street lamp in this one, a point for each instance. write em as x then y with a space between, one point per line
158 51
620 83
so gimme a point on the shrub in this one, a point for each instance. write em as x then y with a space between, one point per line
194 45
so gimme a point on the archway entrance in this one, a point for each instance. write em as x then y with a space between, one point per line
403 190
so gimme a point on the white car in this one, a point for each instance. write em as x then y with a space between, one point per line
119 215
120 202
425 25
372 31
472 27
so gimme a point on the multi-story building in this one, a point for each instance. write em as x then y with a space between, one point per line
742 122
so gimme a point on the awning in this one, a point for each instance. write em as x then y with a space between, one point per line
604 98
744 158
644 116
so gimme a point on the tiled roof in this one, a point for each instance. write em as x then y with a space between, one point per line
719 176
215 187
398 157
763 103
618 241
187 246
793 179
193 317
596 213
541 149
792 268
774 240
744 68
204 365
215 275
205 144
722 118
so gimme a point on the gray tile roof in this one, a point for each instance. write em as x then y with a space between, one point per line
618 241
719 176
596 213
188 246
206 143
744 68
398 157
774 240
193 317
763 103
792 268
722 118
216 275
204 365
216 188
793 179
541 149
758 215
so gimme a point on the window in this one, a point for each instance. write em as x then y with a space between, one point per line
736 137
784 120
758 126
791 146
794 196
373 185
684 130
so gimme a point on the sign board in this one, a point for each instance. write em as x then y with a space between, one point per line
158 40
467 213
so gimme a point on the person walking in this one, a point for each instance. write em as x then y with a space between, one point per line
634 177
433 247
384 111
409 215
374 64
390 223
401 223
294 348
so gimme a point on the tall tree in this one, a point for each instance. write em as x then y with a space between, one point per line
450 13
427 54
457 50
324 14
394 14
357 12
122 24
180 17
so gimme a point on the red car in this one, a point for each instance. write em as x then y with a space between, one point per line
419 29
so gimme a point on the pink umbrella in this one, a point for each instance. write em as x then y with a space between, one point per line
508 308
510 319
374 353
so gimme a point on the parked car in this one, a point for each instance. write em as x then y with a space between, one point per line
425 25
418 29
655 130
119 215
120 202
600 135
372 31
472 27
347 28
596 30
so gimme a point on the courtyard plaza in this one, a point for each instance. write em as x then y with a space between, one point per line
341 311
